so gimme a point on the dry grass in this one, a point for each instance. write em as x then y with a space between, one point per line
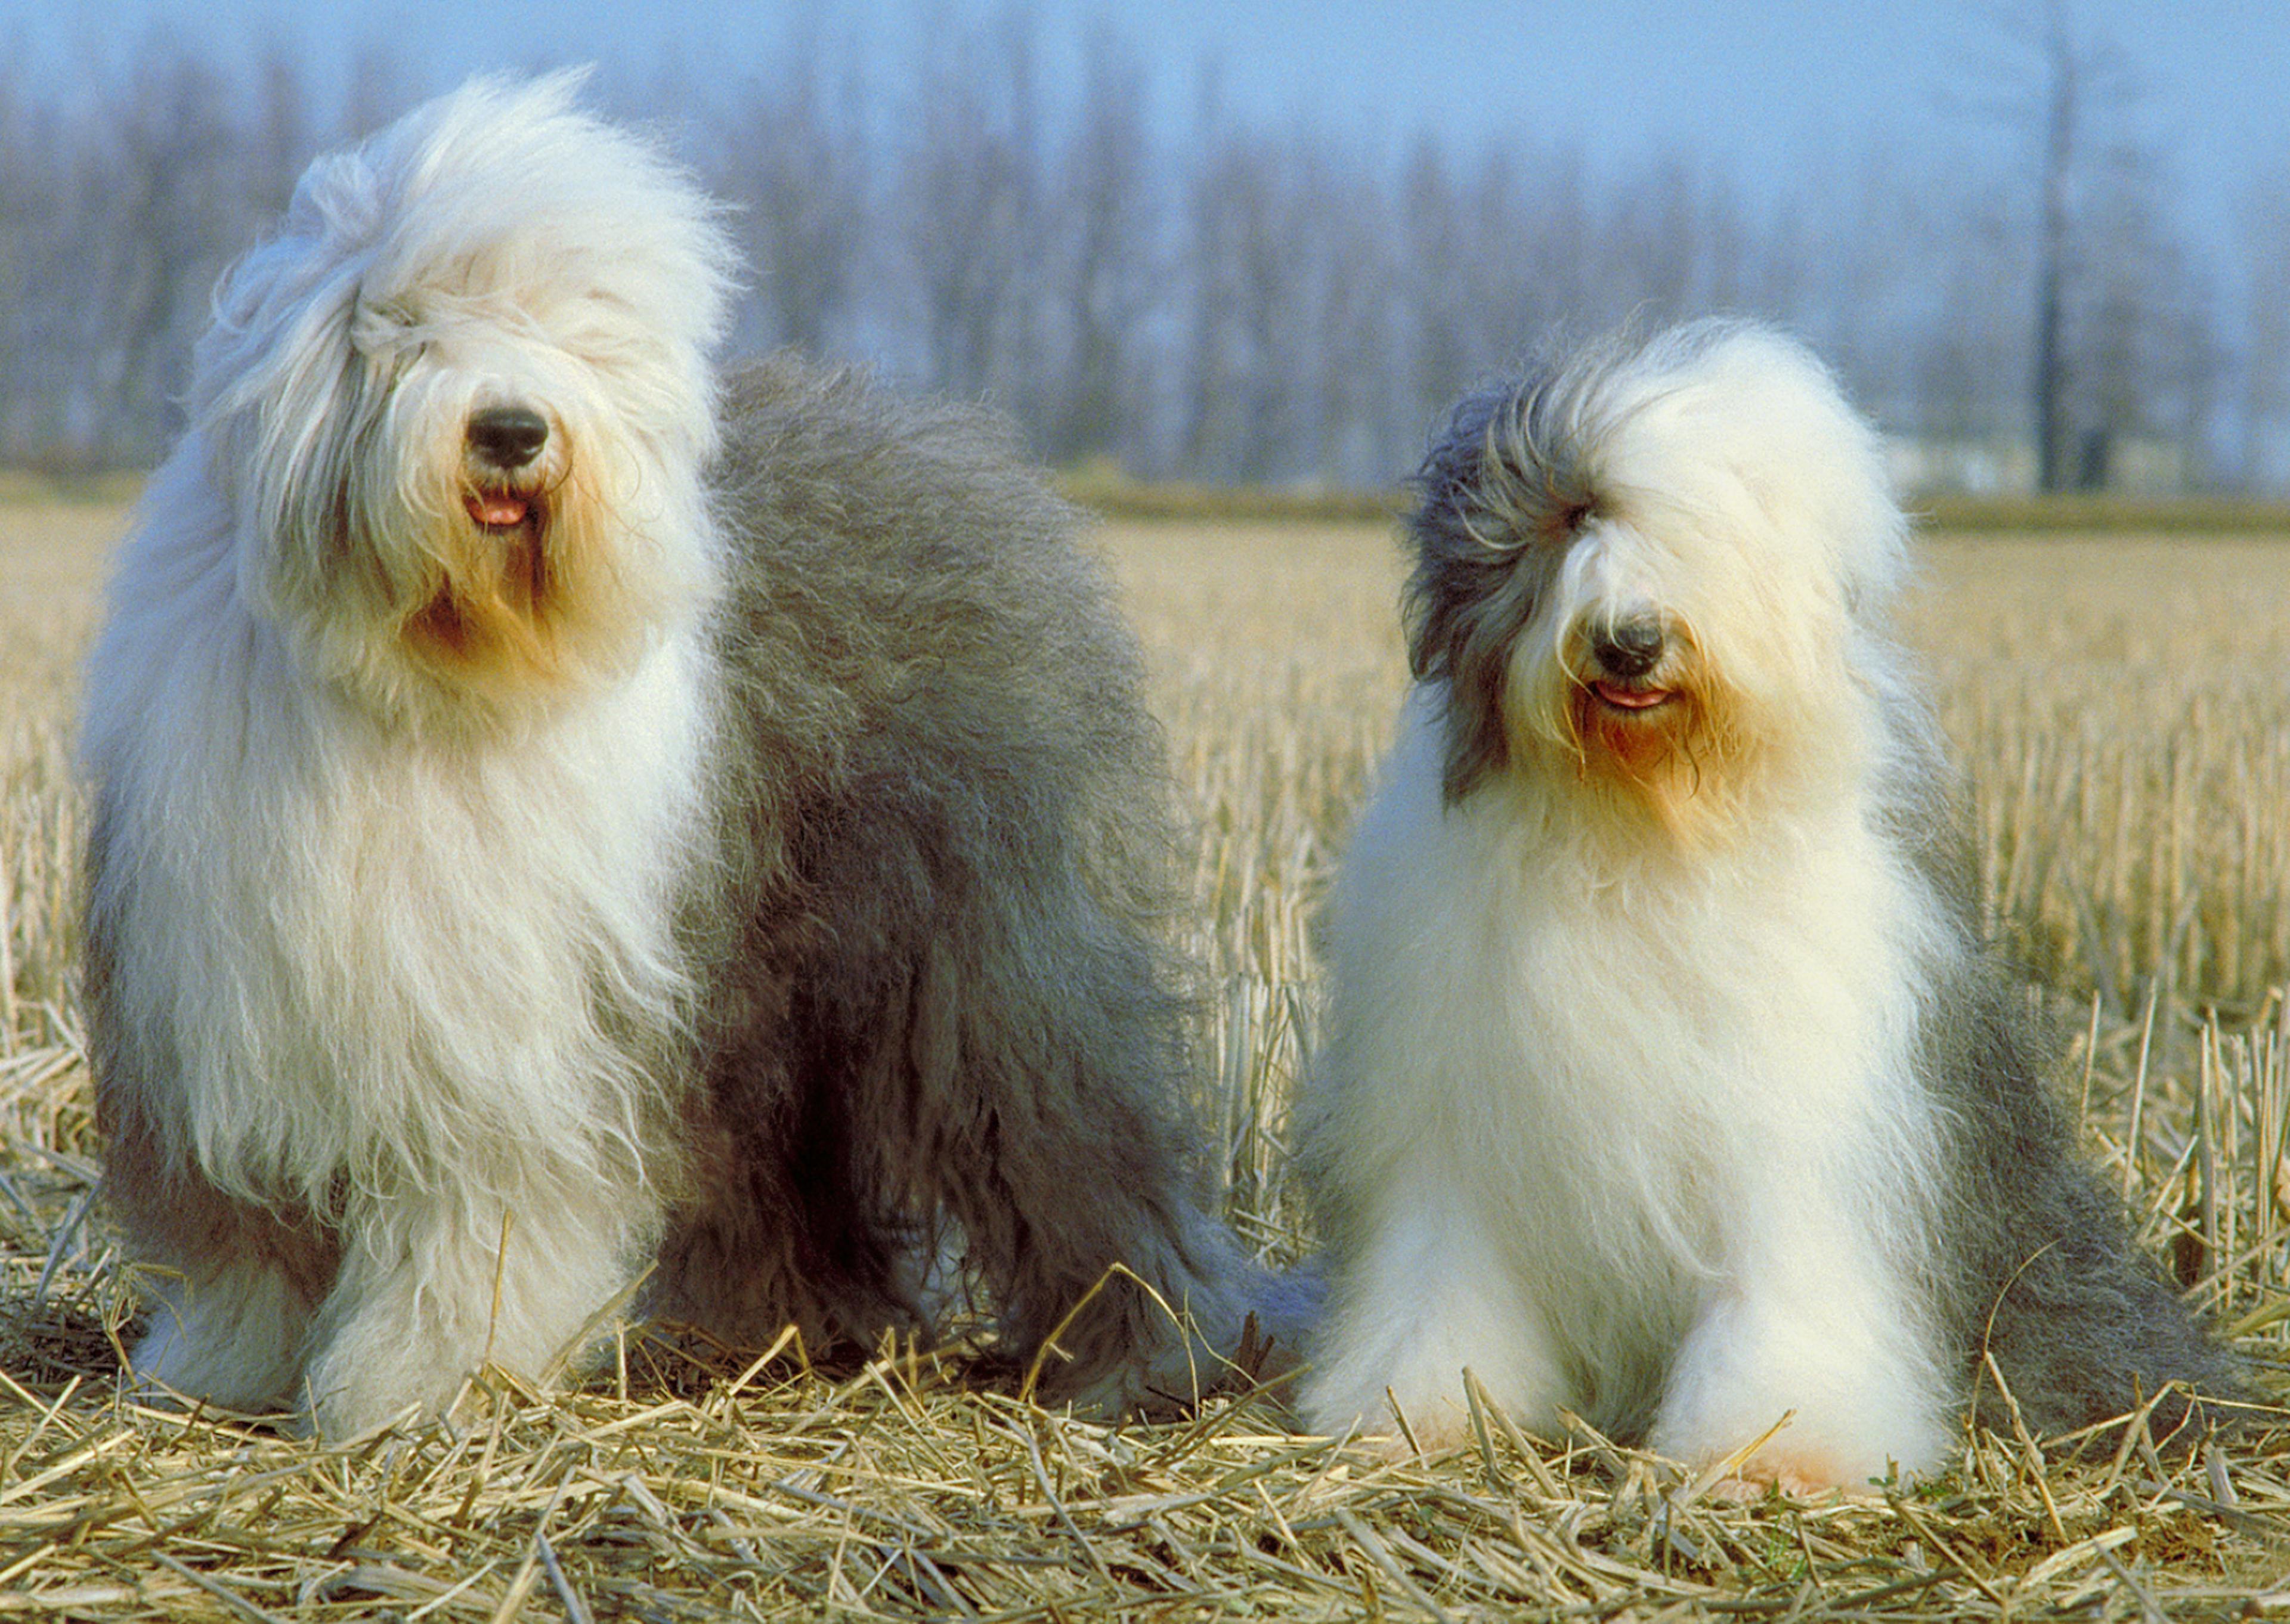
1110 491
1106 489
2123 707
2107 513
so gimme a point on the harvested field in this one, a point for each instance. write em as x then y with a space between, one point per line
2122 708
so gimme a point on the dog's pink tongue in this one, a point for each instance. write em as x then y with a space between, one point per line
496 508
1631 698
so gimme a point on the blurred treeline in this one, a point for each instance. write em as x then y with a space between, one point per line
1209 299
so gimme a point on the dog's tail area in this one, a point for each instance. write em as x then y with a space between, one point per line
1202 1319
1282 1318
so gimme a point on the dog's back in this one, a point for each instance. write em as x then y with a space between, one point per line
938 984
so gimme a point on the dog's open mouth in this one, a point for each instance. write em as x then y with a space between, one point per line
502 512
1623 696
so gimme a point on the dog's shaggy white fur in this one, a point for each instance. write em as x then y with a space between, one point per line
508 869
1666 1071
388 777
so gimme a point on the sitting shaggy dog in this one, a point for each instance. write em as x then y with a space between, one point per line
1669 1081
525 858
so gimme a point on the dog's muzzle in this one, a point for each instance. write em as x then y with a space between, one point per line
503 441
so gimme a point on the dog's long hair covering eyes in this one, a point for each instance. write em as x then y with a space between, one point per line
555 819
1666 1077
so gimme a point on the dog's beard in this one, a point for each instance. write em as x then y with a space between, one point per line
1665 749
494 607
459 598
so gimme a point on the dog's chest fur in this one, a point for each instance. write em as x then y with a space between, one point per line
1628 1058
429 942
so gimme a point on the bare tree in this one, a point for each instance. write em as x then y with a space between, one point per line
379 88
792 155
1104 261
176 192
2262 459
284 134
2105 266
2063 120
1368 430
968 211
1244 281
1229 301
1490 253
20 208
2146 364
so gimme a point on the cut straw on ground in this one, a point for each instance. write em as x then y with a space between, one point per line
2122 708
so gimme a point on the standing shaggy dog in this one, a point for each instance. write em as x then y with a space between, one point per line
521 859
1669 1081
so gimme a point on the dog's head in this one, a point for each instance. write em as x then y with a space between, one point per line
458 405
1644 569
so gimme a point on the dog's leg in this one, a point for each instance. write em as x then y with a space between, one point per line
1031 1100
429 1293
1811 1318
1077 1214
1048 1223
230 1335
778 1228
232 1287
1430 1295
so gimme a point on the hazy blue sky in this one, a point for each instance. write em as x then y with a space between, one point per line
1761 87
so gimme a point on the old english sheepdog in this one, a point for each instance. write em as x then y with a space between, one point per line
558 821
1668 1080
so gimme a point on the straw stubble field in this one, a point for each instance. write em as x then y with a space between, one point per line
2122 708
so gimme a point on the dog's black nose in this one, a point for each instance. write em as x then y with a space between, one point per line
509 436
1629 648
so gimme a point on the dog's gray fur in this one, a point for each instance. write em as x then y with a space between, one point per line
936 978
2037 1268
